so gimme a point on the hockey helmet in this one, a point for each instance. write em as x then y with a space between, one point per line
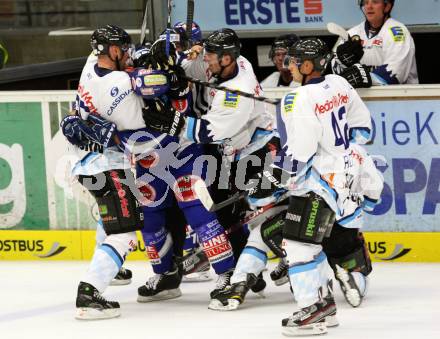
283 42
104 37
225 40
312 49
196 33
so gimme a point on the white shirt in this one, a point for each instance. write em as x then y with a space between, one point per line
391 51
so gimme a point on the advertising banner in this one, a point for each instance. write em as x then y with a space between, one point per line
296 14
79 245
23 189
407 136
37 191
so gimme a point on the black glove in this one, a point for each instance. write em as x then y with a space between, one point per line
163 118
357 75
178 84
159 55
350 52
268 189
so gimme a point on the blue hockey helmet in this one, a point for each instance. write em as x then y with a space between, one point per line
196 33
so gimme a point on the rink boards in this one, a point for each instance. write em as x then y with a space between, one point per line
37 193
79 245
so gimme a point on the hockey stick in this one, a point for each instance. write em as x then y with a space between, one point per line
337 30
235 91
189 21
206 200
144 24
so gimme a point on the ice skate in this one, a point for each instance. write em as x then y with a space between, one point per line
311 320
123 277
280 275
232 296
353 285
223 280
259 286
91 305
195 266
161 287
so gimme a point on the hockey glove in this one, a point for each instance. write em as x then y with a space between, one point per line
100 130
358 76
268 189
163 118
178 84
350 52
159 57
71 128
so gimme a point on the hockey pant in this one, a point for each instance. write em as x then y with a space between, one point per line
176 181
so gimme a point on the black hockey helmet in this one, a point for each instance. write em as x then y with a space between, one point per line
312 49
283 42
225 40
104 37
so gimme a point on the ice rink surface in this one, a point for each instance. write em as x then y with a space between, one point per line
38 299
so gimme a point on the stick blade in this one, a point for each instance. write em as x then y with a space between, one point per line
336 29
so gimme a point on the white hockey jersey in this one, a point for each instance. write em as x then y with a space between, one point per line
360 188
316 123
391 52
230 116
109 94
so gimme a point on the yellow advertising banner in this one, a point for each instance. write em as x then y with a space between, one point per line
79 245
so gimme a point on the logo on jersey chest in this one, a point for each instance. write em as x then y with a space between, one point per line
330 104
231 100
289 102
397 34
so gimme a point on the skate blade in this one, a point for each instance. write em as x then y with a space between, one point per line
164 295
281 281
216 305
311 329
331 321
197 277
88 313
120 282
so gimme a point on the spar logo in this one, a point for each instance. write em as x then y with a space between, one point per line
37 246
380 248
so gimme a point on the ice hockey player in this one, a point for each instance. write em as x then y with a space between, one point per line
315 170
380 51
195 264
179 176
230 119
278 50
106 174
